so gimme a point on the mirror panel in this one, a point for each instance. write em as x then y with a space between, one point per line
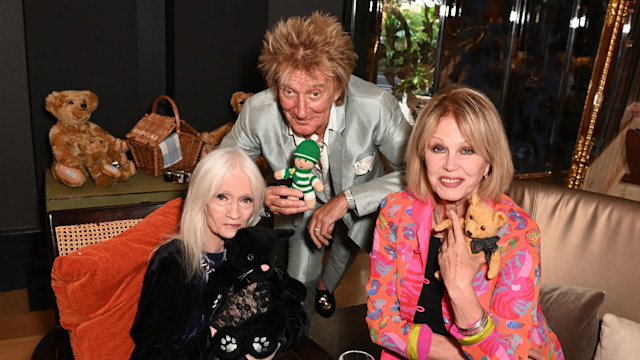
609 89
534 59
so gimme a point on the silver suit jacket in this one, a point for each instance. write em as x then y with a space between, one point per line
370 126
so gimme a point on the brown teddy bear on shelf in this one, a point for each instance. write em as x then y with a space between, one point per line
480 226
105 160
212 139
72 109
237 100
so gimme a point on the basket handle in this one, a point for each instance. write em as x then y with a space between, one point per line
173 105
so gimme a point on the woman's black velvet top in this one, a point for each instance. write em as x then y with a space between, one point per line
168 303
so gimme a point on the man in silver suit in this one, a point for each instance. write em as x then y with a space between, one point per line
307 63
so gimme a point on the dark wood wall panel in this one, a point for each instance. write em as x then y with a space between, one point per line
216 47
77 45
18 184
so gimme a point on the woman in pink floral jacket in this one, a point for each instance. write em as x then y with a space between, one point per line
458 148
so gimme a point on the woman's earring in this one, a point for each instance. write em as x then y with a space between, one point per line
485 176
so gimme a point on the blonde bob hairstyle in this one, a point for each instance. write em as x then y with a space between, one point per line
481 126
206 180
308 44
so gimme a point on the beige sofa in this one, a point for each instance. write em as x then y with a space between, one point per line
590 284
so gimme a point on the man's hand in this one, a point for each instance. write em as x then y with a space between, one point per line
324 218
283 200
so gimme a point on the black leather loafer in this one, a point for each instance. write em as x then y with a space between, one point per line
325 303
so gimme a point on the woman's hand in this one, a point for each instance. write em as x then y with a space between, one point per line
535 355
445 348
324 219
283 200
457 266
458 269
249 357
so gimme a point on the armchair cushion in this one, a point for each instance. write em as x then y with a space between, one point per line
97 287
572 313
618 338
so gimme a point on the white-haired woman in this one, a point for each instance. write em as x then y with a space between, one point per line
225 194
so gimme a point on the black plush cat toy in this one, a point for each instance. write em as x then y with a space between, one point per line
256 304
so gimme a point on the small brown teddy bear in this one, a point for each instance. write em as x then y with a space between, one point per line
212 139
480 226
106 161
72 109
237 100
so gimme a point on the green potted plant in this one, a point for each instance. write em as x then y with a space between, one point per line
407 49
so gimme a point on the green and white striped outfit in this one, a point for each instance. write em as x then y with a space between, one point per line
302 180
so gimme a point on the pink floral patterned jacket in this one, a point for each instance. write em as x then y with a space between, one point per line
398 260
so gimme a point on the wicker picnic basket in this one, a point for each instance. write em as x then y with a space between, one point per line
146 135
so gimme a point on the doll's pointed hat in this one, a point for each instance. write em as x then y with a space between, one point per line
308 150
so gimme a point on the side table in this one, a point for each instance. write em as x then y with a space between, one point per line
140 188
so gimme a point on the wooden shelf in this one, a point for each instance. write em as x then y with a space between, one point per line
138 189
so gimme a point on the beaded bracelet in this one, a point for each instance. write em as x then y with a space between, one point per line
476 327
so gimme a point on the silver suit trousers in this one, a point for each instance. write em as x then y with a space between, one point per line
306 260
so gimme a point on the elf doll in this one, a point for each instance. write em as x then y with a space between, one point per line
304 159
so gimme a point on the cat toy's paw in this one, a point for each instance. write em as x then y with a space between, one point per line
262 343
216 302
228 344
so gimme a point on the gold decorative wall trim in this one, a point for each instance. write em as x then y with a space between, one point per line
607 49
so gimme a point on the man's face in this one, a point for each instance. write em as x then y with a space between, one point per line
306 99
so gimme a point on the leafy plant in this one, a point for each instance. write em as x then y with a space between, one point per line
407 48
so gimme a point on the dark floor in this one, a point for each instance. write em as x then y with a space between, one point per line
345 330
24 263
